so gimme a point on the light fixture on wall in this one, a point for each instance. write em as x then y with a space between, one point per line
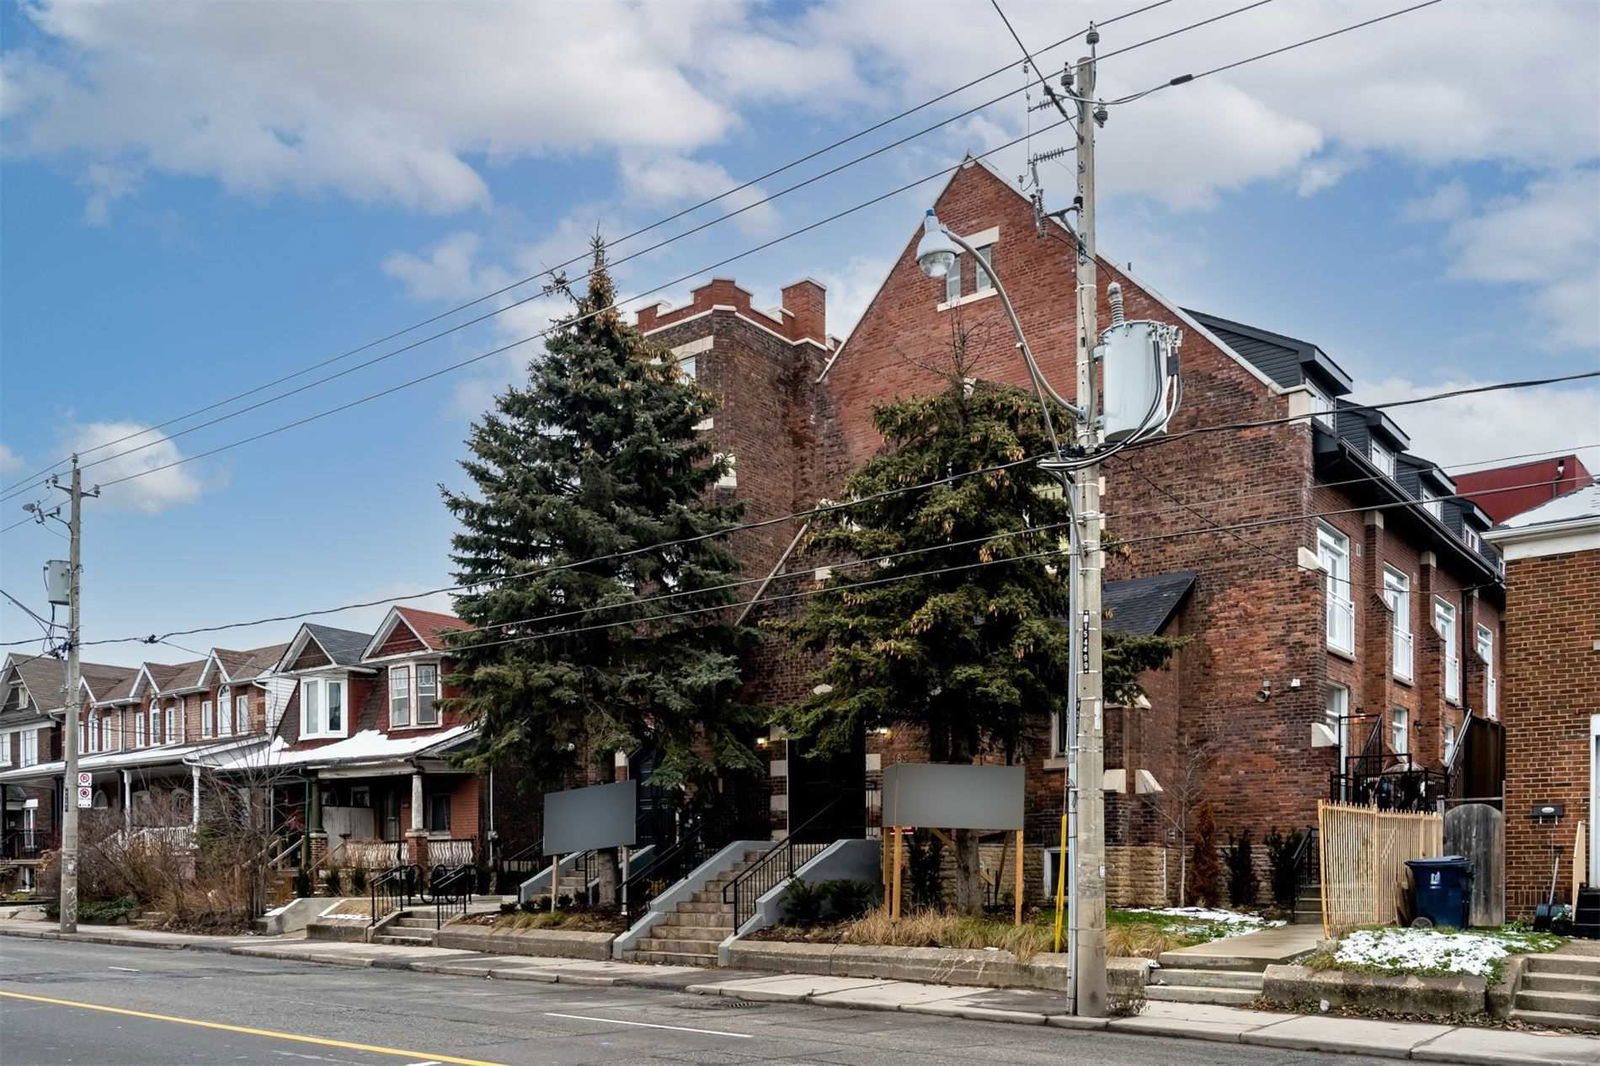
1265 692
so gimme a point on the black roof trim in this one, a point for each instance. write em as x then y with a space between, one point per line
1303 355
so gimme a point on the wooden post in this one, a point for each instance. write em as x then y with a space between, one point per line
1019 877
894 895
555 881
1322 865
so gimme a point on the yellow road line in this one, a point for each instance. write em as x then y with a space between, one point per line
412 1055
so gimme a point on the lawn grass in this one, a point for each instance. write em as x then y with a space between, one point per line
1389 950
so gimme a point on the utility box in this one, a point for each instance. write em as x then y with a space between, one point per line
1133 378
58 582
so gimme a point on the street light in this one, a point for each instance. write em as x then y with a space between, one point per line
936 252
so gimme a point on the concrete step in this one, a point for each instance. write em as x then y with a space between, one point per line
404 941
695 906
658 945
1210 978
664 958
1173 961
414 923
1559 1002
1584 964
1557 1020
1227 997
670 930
1585 983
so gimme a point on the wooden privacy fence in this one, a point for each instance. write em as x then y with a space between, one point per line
1364 853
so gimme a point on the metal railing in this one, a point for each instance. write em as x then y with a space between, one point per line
392 890
669 866
26 843
1306 863
451 890
1410 788
768 872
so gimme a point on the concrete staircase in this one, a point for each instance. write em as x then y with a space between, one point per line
690 933
1308 906
410 930
1226 981
1560 990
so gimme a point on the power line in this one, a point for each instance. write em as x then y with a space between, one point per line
820 510
551 271
27 483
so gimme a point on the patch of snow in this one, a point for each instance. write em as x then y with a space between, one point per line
1206 914
1471 953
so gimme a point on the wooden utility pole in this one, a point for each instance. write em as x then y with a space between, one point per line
70 707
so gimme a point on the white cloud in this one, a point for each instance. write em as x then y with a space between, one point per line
1546 238
148 492
10 461
663 180
1492 425
850 288
1444 204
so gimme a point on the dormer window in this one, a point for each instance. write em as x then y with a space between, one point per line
16 697
1472 539
1321 404
1434 506
414 696
1381 457
322 707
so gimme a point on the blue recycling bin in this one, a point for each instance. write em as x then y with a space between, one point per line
1442 889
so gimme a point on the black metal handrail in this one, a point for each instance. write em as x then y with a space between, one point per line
768 872
1305 862
452 890
395 886
673 863
25 843
1413 788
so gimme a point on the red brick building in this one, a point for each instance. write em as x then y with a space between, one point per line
1339 640
1551 707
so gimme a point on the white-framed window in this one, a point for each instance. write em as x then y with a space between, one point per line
1381 457
224 713
1491 694
28 748
1399 731
1397 594
688 367
1444 621
155 723
241 714
5 749
1052 863
322 707
1472 539
983 280
952 281
174 722
1333 552
1322 408
208 721
1336 709
414 696
1433 505
138 730
1449 741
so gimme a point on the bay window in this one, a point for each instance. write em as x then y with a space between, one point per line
399 696
1333 552
414 696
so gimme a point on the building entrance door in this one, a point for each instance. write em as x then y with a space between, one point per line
828 792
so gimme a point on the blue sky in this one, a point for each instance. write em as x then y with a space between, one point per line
198 199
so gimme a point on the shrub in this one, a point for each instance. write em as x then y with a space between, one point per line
1243 884
1205 873
925 859
815 902
358 881
1280 859
302 883
334 885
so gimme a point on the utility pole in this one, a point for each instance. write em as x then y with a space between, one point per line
1089 843
70 708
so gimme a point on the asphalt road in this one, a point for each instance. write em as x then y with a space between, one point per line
98 1005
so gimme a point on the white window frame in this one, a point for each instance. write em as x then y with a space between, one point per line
1333 552
155 724
1473 541
224 713
1400 730
1484 643
417 692
1434 505
1449 740
5 749
138 729
1323 410
320 729
208 721
982 280
1445 619
174 722
28 747
952 282
400 691
413 694
1382 458
1397 594
241 713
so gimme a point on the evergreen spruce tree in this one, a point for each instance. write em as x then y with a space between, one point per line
597 457
974 658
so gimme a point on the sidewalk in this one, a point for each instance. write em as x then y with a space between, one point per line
1400 1040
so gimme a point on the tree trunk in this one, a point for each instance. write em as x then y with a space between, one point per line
1183 870
609 873
969 873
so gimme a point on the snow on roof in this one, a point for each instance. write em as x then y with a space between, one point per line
1584 503
369 745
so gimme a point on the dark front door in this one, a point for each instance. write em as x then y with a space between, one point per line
657 807
828 792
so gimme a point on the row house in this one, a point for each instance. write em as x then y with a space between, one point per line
1341 609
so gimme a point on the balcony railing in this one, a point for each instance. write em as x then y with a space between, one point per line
1403 643
26 844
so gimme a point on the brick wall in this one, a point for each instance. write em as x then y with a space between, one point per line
1550 689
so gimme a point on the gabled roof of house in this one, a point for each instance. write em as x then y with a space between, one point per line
1143 606
1284 359
344 646
42 676
251 664
107 682
1573 507
428 626
175 677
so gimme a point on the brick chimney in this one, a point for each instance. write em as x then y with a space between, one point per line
807 302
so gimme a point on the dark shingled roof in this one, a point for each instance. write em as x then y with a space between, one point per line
344 646
1143 606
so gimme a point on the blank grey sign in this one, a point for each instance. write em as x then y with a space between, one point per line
943 796
600 816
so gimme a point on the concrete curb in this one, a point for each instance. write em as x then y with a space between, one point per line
1262 1036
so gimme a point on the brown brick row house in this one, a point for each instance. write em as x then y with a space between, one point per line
1344 643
